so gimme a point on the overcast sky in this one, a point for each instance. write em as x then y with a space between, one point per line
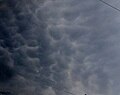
61 46
88 43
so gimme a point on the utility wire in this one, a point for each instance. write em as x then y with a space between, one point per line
68 92
110 5
64 91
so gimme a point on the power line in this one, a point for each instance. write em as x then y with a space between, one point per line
110 5
68 92
64 91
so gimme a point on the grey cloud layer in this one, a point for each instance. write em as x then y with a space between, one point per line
64 45
88 42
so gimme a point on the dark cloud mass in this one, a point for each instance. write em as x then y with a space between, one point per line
58 47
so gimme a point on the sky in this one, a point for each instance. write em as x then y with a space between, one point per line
59 47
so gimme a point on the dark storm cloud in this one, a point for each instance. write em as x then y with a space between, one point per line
54 46
17 34
6 71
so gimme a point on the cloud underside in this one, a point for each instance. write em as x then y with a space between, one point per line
57 47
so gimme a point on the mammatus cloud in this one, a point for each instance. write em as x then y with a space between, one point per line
59 46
